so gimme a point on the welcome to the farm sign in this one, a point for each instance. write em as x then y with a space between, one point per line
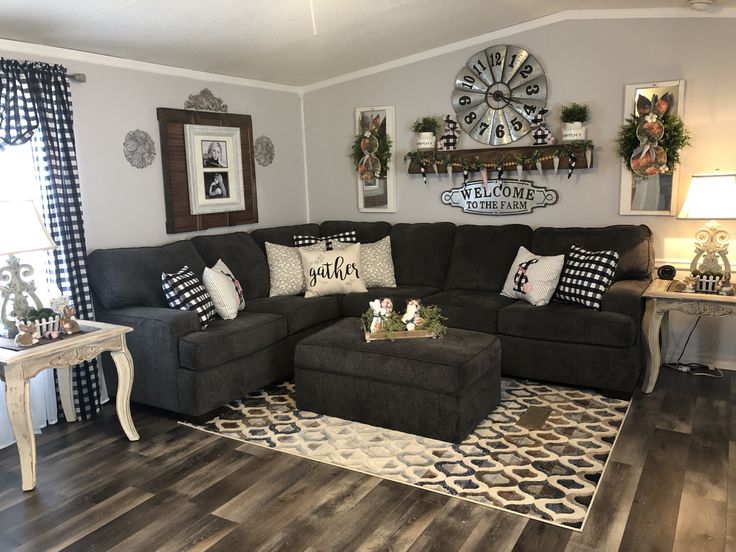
499 197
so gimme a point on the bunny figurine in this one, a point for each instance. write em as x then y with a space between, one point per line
26 336
69 322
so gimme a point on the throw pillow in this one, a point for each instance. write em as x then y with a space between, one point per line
586 276
376 261
533 278
331 272
350 236
285 266
221 285
185 291
222 267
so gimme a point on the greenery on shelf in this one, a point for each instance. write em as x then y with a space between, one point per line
430 123
676 137
574 113
391 324
383 152
38 314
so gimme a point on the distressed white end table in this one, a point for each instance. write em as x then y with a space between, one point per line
18 367
660 301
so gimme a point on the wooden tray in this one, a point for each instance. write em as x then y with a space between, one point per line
416 334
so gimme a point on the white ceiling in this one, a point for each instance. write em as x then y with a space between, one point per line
275 40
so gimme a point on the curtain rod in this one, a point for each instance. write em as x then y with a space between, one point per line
77 77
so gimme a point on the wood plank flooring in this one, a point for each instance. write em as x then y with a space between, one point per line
670 485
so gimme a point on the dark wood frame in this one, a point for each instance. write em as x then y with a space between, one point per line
174 163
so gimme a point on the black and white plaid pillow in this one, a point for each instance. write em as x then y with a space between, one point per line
586 276
350 236
184 291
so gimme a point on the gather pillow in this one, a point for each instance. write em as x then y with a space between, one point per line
349 236
224 289
185 291
285 266
586 276
331 272
376 261
533 278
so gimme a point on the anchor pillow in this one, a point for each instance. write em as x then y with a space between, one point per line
533 278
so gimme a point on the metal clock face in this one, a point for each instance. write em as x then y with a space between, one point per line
497 94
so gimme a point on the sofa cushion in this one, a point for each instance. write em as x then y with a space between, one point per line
633 243
282 235
301 313
285 268
132 276
421 252
333 272
564 322
226 340
376 262
240 253
470 310
367 232
356 304
482 255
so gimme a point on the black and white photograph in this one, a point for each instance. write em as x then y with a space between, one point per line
214 154
216 185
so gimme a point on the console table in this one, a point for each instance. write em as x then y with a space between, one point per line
659 302
18 367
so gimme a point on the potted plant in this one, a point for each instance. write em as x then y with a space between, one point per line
574 115
427 129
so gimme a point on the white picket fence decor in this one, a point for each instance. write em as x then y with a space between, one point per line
707 284
43 325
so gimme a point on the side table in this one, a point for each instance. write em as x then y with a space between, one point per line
18 367
660 301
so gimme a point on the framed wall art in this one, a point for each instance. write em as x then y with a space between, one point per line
650 195
377 159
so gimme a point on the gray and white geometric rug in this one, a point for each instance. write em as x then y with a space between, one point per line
550 474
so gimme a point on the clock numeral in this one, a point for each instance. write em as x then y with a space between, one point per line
532 89
526 71
469 81
477 64
464 100
516 124
529 109
483 127
495 59
513 60
470 117
500 131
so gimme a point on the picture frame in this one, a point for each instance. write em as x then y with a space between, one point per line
378 194
654 195
214 169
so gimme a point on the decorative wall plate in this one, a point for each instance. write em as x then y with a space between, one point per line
497 94
264 152
139 148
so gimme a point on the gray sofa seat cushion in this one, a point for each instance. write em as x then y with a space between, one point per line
633 244
132 276
567 323
470 310
300 313
367 232
449 365
355 304
283 235
482 255
242 255
421 252
225 340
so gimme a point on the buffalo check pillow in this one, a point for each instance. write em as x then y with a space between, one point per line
350 236
586 276
184 291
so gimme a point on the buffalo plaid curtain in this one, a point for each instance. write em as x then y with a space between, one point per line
35 104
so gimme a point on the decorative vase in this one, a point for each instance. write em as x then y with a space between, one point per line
425 141
573 131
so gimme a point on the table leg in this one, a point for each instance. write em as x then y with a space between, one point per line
124 366
18 399
64 376
652 323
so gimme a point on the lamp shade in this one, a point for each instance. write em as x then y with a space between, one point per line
21 229
711 196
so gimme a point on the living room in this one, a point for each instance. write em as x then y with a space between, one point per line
666 480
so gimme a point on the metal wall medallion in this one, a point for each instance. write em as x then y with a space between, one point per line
139 148
205 101
264 151
499 197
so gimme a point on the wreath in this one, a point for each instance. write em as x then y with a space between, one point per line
676 137
383 152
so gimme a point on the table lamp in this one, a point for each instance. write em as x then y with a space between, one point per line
711 196
21 231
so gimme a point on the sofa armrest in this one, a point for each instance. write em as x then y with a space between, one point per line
625 297
154 346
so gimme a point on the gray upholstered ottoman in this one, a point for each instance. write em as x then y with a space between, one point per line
439 388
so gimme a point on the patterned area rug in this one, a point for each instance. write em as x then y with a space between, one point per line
550 474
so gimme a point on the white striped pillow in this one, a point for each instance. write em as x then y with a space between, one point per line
533 278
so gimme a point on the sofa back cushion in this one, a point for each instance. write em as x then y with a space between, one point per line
482 255
633 244
367 232
132 276
240 253
283 235
421 252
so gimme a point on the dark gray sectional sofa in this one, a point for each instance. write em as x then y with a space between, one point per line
460 268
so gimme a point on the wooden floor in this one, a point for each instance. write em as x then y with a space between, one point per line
670 485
